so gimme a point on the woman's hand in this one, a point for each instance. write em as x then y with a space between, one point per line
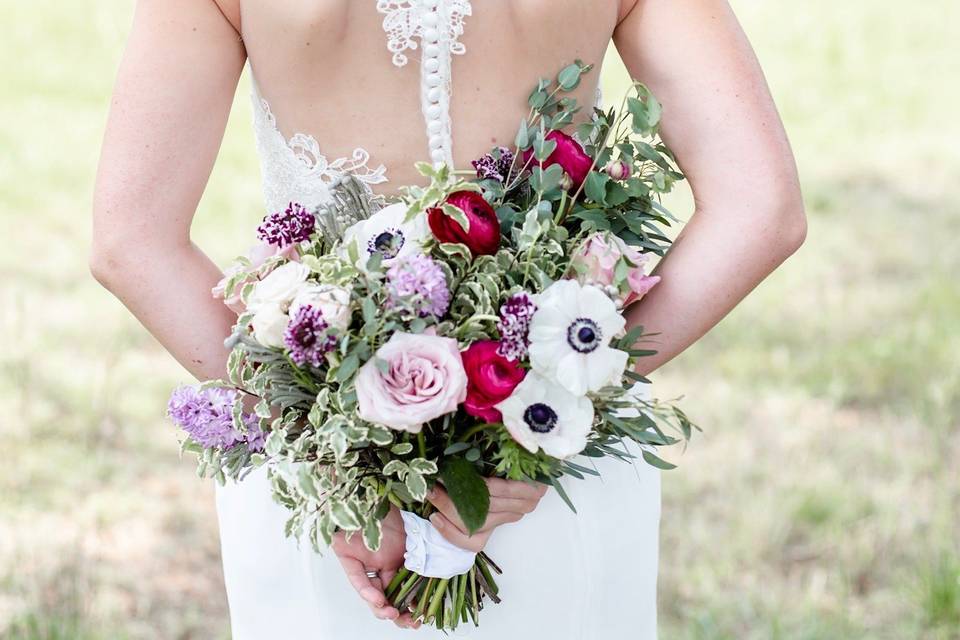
510 500
356 560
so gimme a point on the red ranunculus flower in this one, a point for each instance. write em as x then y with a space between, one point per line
483 238
568 154
491 379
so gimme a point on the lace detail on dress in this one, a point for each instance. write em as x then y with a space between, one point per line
404 23
295 169
438 24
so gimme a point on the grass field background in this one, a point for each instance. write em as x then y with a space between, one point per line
821 502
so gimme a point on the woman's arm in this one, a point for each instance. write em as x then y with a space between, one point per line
720 121
170 105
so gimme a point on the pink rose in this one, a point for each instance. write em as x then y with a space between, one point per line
257 255
568 154
424 379
262 251
483 237
491 379
600 253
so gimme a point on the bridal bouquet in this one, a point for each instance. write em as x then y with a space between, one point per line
474 328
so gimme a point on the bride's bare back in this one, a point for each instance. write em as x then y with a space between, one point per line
325 69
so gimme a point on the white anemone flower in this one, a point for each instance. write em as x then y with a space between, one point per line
388 233
540 414
570 337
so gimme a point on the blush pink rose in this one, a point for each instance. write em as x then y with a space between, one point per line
491 379
600 253
424 379
257 255
569 155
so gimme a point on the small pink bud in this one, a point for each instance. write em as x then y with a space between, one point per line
618 170
566 182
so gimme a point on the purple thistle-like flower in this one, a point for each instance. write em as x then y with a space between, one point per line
490 167
206 415
285 228
419 283
514 326
307 336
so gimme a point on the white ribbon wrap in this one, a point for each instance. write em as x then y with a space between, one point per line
429 553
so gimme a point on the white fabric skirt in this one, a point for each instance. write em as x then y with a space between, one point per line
585 576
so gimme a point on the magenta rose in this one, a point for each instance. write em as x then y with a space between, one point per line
569 155
491 379
599 255
423 379
483 237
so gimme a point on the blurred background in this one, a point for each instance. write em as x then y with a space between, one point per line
822 500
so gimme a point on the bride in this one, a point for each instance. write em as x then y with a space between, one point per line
369 87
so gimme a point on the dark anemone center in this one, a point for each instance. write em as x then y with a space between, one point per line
583 335
540 418
387 243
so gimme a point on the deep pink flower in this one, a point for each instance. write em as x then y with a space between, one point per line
483 237
568 154
491 379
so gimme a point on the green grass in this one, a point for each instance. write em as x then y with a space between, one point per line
821 502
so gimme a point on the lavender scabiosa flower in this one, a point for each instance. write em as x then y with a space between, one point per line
418 283
285 228
514 326
494 168
205 414
307 336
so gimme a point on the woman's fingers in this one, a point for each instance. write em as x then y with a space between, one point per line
456 536
439 498
500 488
406 621
512 505
366 589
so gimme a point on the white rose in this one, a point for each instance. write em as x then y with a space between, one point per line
388 233
332 301
269 324
279 286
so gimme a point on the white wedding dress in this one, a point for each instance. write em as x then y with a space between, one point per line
585 576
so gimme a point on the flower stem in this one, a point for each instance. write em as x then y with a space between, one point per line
473 430
438 592
396 582
422 444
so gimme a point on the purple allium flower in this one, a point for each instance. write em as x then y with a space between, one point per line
514 326
418 282
285 228
256 437
206 415
489 167
307 337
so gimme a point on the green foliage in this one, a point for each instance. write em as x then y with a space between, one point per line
467 491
